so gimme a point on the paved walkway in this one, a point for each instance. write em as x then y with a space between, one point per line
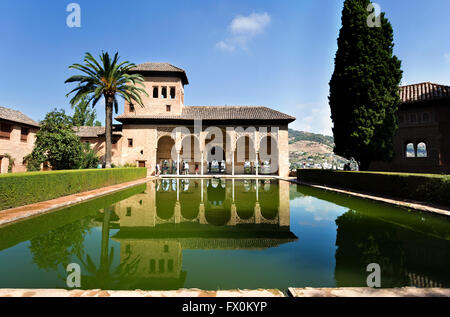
294 292
138 293
23 212
369 292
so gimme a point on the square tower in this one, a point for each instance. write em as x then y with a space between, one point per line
164 84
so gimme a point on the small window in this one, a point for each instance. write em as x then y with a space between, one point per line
5 131
426 117
130 142
422 150
141 163
24 134
409 151
172 92
131 107
128 211
164 93
413 118
166 248
155 92
168 108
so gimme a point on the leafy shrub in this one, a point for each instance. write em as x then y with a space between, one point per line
429 188
26 188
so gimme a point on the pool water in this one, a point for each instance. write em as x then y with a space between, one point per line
226 234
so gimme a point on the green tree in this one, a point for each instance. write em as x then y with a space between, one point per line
57 143
83 114
107 78
364 88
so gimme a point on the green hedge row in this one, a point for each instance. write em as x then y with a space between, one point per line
429 188
27 188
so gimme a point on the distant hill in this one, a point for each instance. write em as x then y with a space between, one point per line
312 149
295 136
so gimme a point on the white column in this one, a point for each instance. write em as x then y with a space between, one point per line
257 190
257 163
232 163
202 164
178 163
232 181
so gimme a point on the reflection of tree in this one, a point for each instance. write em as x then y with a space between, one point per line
362 240
105 276
59 245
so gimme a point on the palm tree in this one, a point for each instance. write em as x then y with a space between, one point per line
107 78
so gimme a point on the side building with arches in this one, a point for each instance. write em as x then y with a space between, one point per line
422 141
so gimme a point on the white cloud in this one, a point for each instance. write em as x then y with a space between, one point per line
253 24
242 29
447 57
313 117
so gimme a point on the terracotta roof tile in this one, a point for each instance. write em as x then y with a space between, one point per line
161 67
16 116
89 132
423 92
219 113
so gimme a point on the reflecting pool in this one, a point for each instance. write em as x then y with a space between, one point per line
226 234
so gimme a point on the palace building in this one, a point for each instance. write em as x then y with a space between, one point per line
422 141
210 139
17 135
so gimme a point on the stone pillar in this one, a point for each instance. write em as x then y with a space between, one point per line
201 214
256 162
233 218
284 209
283 151
257 212
177 212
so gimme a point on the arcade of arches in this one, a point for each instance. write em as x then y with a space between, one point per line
249 153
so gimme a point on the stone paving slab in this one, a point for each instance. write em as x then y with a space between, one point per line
23 212
369 292
139 293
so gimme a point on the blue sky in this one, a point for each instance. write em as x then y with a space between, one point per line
235 52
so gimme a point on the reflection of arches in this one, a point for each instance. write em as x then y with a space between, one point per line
245 199
189 202
268 155
217 208
422 150
410 150
166 198
269 201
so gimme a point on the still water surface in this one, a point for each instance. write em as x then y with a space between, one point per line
226 234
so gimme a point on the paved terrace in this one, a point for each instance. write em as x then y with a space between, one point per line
292 292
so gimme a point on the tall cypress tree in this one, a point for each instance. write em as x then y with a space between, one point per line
364 88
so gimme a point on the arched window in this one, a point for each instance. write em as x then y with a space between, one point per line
422 150
409 150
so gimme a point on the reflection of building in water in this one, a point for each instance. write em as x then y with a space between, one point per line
406 257
173 215
213 201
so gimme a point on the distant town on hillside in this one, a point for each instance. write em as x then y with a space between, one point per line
313 150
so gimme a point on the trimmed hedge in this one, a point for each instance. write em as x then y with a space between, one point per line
27 188
431 188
